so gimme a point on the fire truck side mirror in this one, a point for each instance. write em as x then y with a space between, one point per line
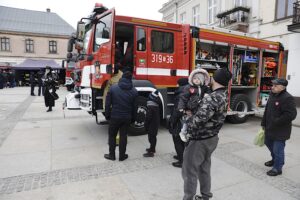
80 30
105 33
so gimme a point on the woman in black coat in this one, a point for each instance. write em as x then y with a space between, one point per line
50 96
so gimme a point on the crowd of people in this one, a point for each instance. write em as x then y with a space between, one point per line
7 79
199 113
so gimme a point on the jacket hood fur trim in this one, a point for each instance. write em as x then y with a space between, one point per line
201 71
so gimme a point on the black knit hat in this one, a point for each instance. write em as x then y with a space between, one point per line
183 81
127 75
222 76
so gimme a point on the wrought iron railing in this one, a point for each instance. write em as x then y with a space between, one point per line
296 13
235 15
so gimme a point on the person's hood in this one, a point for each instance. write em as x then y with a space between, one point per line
125 84
201 71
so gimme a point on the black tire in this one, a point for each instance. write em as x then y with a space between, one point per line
239 102
140 110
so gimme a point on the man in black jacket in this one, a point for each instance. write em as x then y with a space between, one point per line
277 122
119 107
152 122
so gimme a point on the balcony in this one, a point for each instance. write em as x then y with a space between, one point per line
295 26
235 19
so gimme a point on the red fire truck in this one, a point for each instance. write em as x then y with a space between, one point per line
160 53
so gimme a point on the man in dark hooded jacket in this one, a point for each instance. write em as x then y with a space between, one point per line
277 122
119 107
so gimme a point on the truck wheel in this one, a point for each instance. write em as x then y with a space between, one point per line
140 110
241 103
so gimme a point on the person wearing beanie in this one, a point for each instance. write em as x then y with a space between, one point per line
277 123
175 124
127 75
152 122
203 127
192 95
222 76
119 107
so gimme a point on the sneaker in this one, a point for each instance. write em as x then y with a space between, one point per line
274 172
148 154
270 163
183 136
197 197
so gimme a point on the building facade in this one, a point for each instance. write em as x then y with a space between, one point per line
257 18
27 34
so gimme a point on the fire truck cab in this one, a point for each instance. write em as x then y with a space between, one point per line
159 53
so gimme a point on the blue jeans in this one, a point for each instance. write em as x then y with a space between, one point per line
276 148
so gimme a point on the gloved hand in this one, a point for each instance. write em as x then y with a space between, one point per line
107 117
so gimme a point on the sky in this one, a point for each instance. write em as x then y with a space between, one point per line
73 10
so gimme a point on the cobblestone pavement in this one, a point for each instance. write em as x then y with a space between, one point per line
224 152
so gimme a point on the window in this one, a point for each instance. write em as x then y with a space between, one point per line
212 11
196 15
162 42
141 39
103 28
183 18
52 46
5 44
284 8
29 46
238 3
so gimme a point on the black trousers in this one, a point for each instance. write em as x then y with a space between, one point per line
179 146
32 89
116 125
41 90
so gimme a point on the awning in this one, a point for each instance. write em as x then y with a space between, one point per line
31 64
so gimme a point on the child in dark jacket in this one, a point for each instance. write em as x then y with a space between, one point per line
192 95
152 122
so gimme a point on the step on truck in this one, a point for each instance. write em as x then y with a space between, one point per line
159 53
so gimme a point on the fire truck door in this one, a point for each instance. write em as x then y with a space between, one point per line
140 55
103 47
162 63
